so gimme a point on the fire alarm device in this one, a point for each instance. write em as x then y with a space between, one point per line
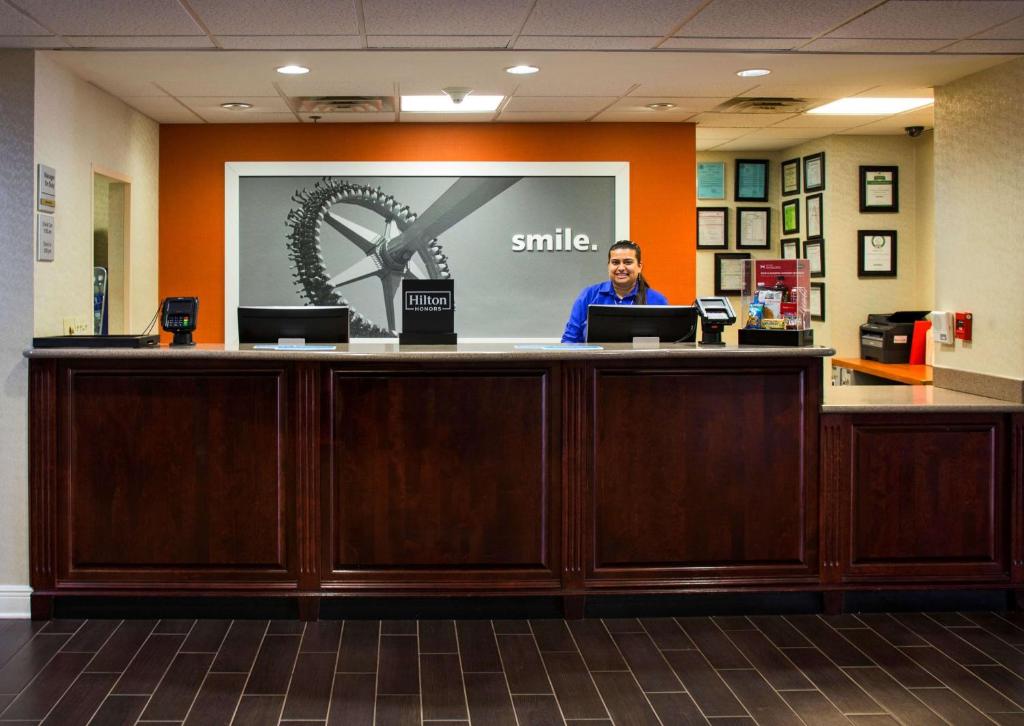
963 326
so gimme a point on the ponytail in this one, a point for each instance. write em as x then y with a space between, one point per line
641 290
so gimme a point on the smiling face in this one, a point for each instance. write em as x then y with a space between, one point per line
623 269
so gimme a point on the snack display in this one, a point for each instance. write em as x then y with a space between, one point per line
775 294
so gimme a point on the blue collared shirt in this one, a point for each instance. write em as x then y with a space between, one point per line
600 294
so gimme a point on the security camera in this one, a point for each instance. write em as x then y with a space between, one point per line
457 93
914 131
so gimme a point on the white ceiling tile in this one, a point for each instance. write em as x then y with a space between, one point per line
278 42
651 117
807 121
731 43
163 109
343 118
453 42
269 17
638 104
112 17
742 120
608 17
264 104
751 142
467 118
1013 30
890 91
589 104
986 46
223 116
31 41
545 117
767 18
898 122
443 17
586 42
778 132
13 22
930 19
873 45
807 90
712 133
127 42
878 129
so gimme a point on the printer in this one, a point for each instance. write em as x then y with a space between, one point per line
886 337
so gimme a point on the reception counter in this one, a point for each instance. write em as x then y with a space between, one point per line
503 470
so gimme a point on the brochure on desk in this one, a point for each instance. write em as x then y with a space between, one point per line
520 240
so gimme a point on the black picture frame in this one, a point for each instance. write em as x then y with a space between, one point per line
790 169
792 244
721 257
793 204
741 214
882 263
818 242
817 200
820 287
757 169
870 176
725 232
817 182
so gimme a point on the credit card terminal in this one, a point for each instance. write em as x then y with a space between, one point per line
178 316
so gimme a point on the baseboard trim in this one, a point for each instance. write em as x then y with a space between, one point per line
15 601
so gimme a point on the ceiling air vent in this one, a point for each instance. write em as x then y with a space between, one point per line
744 104
343 104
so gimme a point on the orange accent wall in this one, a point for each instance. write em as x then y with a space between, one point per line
662 192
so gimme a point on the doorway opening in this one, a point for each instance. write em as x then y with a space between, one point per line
111 253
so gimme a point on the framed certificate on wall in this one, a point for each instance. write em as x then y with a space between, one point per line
753 228
751 180
712 228
876 253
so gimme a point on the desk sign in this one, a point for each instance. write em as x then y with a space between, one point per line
44 237
47 186
428 312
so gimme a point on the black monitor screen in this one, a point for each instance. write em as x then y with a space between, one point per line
315 324
622 323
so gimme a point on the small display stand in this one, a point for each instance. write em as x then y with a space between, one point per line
428 313
774 303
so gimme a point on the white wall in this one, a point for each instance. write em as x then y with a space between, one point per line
17 220
79 128
979 238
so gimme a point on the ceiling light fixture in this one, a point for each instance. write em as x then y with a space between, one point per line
863 106
753 72
448 104
293 70
660 106
522 70
236 105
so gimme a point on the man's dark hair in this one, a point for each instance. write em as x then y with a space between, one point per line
641 281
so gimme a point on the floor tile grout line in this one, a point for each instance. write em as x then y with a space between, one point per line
166 670
717 670
252 666
462 672
291 674
547 673
334 670
419 668
590 674
996 635
628 666
504 674
376 675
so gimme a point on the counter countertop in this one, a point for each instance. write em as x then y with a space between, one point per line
374 352
910 399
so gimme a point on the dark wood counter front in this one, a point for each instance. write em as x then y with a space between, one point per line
560 475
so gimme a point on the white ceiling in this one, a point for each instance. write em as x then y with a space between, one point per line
601 60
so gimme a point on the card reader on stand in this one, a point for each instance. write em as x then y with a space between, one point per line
715 314
179 317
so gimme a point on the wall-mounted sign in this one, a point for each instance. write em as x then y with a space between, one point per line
44 237
46 201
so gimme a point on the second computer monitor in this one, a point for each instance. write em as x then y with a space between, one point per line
314 324
622 323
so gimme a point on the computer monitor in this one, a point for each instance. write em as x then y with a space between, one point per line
314 324
622 323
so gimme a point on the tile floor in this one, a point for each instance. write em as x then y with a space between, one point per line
869 669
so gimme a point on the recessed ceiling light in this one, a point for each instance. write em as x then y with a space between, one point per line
522 70
753 72
444 104
293 70
863 106
660 106
236 105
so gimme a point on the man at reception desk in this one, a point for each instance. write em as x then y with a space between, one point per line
625 285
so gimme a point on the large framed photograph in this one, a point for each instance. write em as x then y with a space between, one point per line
817 301
729 272
710 180
712 228
791 249
814 173
814 252
813 215
879 189
791 217
876 253
791 177
751 180
753 228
